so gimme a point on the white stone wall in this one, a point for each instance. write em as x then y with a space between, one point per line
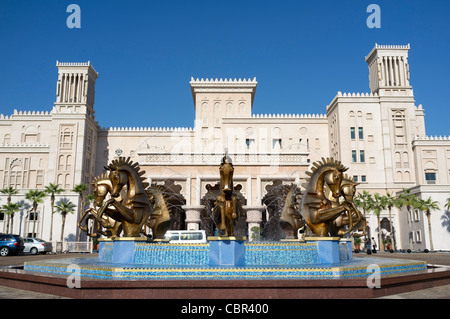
264 147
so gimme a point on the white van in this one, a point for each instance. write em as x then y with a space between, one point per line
186 236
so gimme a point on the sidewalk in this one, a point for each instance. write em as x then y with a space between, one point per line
12 293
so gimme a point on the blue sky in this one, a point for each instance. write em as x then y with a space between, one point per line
301 53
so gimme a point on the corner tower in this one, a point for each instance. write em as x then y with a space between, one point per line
389 70
75 89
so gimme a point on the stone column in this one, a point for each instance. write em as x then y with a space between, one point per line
193 214
254 218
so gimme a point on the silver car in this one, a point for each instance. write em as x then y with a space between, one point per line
35 246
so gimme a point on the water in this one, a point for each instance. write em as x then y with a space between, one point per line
267 261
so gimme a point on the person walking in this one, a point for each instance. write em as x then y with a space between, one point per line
374 246
368 246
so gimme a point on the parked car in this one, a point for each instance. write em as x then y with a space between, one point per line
35 246
10 244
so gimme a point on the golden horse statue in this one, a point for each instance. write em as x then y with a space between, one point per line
291 220
102 187
135 209
352 220
318 211
111 218
226 209
160 219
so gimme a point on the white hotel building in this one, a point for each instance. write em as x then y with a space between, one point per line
379 135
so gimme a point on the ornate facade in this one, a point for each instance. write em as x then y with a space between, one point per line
379 135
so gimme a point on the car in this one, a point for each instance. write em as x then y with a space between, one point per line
10 244
186 236
35 246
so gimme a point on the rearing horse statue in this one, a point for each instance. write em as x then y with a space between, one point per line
102 187
318 211
135 209
352 220
226 205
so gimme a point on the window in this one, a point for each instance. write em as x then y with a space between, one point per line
276 143
355 178
416 215
362 158
363 178
418 236
352 133
430 178
353 156
360 133
250 142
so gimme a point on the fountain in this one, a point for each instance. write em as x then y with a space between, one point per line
325 209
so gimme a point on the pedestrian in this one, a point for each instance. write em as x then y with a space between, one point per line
368 247
374 246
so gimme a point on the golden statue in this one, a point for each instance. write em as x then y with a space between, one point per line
352 220
102 187
291 220
226 209
138 208
160 219
328 216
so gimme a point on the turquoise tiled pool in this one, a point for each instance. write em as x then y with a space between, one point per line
281 260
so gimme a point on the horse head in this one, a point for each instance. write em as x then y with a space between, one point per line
226 175
102 186
348 188
333 179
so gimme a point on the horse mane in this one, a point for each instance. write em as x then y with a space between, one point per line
99 178
346 179
122 161
319 166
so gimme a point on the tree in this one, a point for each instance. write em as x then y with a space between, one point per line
427 205
377 204
52 189
90 198
362 201
390 202
80 189
447 205
10 209
64 207
10 191
36 197
408 200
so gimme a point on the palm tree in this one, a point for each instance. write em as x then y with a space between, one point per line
52 189
447 205
90 198
10 209
80 189
408 200
427 205
362 201
390 202
10 191
36 197
377 204
64 207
